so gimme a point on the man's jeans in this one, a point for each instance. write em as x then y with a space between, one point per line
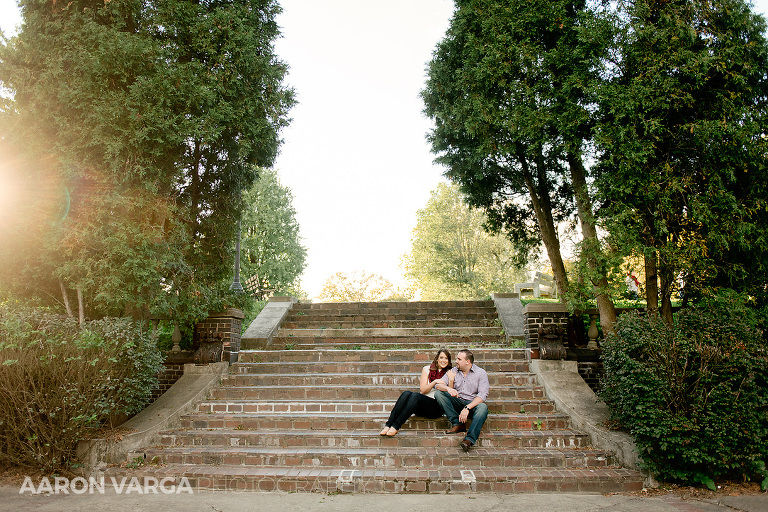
453 406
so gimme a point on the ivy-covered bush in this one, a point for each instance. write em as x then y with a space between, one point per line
695 394
60 382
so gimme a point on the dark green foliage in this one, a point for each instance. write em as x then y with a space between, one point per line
510 92
133 130
488 89
681 134
272 255
59 383
695 394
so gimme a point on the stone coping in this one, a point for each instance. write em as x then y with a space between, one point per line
510 311
553 307
572 396
228 313
282 298
264 327
544 307
144 428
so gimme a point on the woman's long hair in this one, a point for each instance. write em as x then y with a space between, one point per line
434 366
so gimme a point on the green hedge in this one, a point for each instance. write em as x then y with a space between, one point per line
695 394
59 383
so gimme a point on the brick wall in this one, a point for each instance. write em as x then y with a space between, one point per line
173 369
167 378
591 371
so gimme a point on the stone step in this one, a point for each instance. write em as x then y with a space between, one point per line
480 315
386 342
386 324
368 306
442 480
335 322
423 344
404 380
342 391
413 367
420 356
382 457
354 406
368 333
297 438
485 315
363 421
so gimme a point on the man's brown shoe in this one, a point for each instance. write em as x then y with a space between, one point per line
461 427
466 444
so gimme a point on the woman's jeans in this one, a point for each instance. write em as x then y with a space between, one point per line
452 406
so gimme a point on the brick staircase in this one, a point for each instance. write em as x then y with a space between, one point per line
304 413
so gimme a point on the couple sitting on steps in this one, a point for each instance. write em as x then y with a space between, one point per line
459 393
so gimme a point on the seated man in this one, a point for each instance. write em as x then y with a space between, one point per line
462 394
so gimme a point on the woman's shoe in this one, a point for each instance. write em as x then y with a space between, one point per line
391 432
384 431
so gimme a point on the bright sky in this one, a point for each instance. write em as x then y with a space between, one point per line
355 155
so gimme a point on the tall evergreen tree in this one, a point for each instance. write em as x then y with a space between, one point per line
509 91
683 144
138 125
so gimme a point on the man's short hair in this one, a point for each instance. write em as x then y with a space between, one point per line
468 355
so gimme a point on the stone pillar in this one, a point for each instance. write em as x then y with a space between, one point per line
542 315
218 337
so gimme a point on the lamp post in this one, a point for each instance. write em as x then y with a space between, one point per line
236 286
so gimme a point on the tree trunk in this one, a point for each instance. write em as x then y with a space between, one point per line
651 284
667 279
194 189
542 206
589 234
80 305
66 299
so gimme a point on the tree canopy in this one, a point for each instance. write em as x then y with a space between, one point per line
644 118
133 129
273 257
509 91
683 147
453 256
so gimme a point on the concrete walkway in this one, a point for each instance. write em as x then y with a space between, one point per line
226 501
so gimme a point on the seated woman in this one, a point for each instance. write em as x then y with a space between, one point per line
422 403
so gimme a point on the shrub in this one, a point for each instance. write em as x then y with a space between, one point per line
59 383
694 394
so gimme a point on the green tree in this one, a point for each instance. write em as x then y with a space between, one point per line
683 150
136 126
273 257
509 91
453 256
